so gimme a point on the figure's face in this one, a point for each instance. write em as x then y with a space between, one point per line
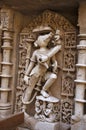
66 105
43 40
50 105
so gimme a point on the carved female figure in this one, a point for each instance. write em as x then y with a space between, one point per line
39 65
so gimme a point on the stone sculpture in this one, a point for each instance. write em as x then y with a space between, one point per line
43 65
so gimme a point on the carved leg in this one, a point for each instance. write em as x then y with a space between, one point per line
51 79
32 82
27 94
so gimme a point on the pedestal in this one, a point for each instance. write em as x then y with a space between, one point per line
47 126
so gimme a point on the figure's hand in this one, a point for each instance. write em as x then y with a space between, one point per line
26 79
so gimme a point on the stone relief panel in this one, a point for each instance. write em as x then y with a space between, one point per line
68 85
46 110
69 60
66 111
67 65
70 40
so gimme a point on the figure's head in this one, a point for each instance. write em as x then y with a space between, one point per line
37 103
43 40
50 105
66 104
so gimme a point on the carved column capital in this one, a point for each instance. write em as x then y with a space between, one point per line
7 18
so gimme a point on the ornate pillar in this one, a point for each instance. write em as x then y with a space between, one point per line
81 77
6 64
80 97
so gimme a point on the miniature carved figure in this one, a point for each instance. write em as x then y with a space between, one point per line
42 59
66 112
46 108
49 114
38 109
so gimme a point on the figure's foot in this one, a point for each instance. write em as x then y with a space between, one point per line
44 94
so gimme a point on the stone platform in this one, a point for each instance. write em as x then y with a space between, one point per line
46 126
79 125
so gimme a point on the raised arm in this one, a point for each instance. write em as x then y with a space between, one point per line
54 50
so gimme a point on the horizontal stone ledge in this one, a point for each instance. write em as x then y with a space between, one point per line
80 81
65 94
4 106
7 38
82 36
81 65
5 76
80 100
6 47
6 63
5 89
69 70
81 47
6 30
